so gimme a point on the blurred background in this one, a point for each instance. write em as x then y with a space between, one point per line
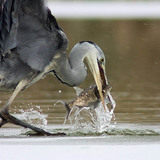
129 34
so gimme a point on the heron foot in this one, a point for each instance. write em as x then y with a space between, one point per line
8 118
30 133
3 113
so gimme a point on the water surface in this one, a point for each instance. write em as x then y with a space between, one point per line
133 70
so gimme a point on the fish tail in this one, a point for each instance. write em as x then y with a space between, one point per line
68 110
67 107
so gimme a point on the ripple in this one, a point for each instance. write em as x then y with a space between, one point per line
110 131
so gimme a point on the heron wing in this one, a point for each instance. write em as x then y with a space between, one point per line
30 28
5 25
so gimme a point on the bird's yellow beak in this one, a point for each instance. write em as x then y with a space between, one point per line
99 76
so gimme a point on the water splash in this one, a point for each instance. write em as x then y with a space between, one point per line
88 119
34 117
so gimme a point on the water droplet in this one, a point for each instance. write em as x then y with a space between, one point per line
35 118
38 107
87 119
59 91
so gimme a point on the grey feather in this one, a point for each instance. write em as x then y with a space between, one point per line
78 90
32 30
30 38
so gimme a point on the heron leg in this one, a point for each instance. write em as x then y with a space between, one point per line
4 112
7 117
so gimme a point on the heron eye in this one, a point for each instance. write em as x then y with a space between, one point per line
102 60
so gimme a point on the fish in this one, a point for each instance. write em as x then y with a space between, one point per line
89 97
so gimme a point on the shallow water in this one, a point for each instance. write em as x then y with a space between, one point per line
132 55
133 70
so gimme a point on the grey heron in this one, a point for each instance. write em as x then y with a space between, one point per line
33 45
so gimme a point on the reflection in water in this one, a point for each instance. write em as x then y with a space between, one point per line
132 56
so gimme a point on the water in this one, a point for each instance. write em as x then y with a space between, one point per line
87 119
132 55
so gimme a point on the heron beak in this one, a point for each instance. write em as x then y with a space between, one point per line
99 77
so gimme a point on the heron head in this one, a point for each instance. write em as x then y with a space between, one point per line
73 72
96 62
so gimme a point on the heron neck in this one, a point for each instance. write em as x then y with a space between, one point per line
72 70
